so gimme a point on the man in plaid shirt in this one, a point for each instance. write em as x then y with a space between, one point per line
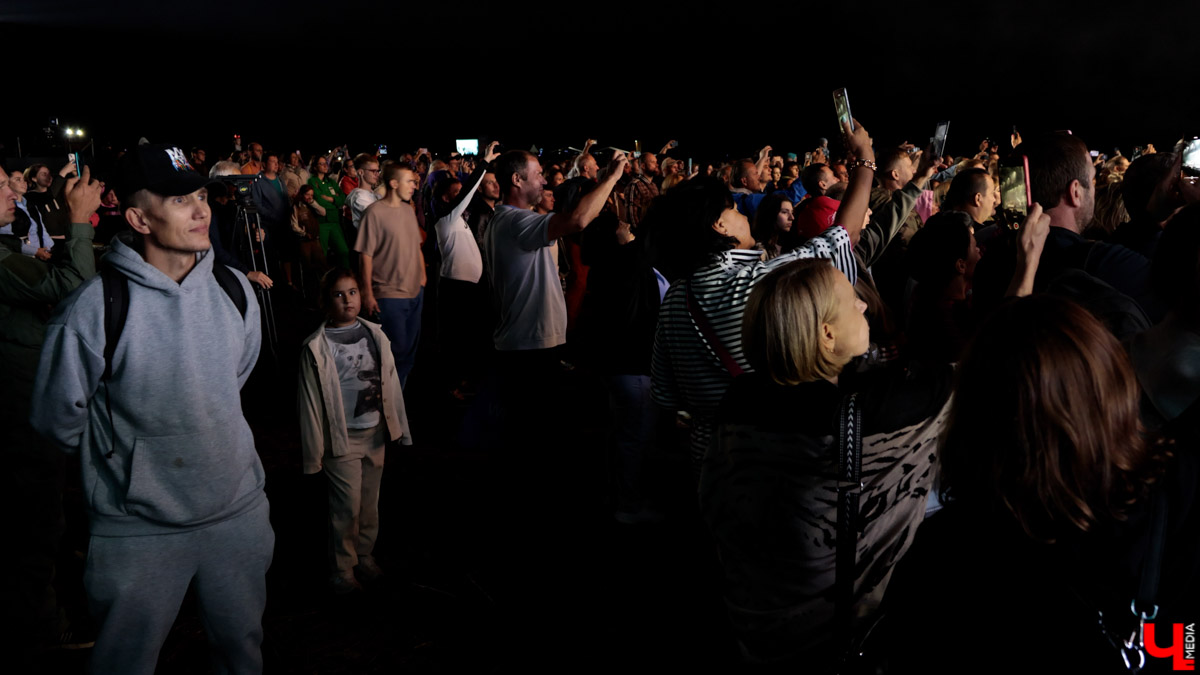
641 188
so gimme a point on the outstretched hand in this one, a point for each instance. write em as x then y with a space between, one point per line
928 163
1031 241
490 154
616 166
1034 232
83 196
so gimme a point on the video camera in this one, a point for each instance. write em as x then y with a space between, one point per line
239 189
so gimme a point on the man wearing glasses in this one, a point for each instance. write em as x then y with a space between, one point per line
364 195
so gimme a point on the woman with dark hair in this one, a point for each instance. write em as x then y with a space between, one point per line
1062 522
772 221
941 258
307 214
349 177
769 489
701 243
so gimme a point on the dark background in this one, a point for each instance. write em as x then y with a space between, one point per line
722 81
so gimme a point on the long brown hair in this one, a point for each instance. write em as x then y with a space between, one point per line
1044 426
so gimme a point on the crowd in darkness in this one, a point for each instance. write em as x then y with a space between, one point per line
908 403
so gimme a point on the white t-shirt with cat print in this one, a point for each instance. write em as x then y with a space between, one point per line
357 359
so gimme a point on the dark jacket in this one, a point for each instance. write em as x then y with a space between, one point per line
52 207
620 308
29 290
274 207
1124 270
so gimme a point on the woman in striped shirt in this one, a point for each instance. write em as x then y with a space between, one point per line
703 244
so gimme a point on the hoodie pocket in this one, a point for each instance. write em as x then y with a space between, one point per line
184 479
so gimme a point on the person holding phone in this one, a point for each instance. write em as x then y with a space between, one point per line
46 195
1062 180
32 480
702 244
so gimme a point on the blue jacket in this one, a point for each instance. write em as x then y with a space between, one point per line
747 203
274 207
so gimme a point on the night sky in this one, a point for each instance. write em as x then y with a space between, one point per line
290 73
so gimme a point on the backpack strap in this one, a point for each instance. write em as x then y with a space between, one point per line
229 283
116 311
116 305
849 485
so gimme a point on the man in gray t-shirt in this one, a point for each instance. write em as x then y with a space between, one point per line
520 263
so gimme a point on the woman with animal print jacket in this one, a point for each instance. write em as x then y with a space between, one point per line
769 485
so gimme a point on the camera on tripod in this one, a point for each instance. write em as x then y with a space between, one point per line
239 189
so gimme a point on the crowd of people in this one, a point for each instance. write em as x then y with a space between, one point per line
904 403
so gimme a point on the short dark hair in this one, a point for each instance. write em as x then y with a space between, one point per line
811 176
679 225
1140 179
329 280
361 160
937 247
966 184
1055 160
513 161
741 169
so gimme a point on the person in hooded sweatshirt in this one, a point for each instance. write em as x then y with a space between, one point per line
172 481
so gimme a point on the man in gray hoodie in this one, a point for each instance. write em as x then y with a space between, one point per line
172 481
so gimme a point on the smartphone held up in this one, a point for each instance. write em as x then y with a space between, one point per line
841 103
1015 193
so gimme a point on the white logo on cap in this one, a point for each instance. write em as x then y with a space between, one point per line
179 160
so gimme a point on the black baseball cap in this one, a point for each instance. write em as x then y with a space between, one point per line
162 169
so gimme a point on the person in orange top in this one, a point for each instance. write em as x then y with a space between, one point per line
255 165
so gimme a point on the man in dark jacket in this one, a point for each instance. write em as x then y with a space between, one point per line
274 209
33 475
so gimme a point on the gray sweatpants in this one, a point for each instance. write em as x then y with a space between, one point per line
135 586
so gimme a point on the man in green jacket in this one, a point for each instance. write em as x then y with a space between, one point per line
329 195
33 475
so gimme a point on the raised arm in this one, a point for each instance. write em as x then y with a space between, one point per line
853 212
887 222
464 196
24 280
1031 241
590 205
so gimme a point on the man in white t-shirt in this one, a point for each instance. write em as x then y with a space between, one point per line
364 195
